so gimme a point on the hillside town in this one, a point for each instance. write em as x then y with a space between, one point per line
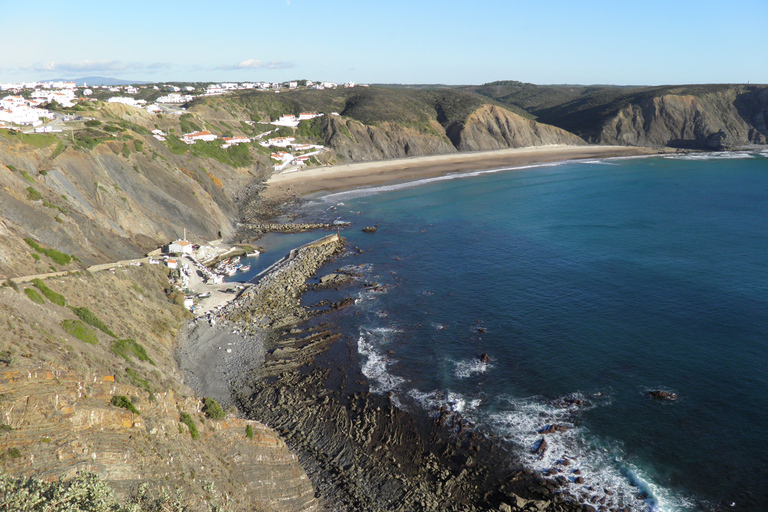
28 104
32 106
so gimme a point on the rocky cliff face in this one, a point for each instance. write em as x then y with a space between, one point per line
487 128
352 141
107 204
718 120
492 127
56 415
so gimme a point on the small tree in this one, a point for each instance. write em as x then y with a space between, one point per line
212 409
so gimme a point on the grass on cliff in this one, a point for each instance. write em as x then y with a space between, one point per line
80 331
190 423
51 295
57 256
87 316
34 296
128 348
125 403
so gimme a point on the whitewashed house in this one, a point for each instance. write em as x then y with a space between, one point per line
181 247
191 138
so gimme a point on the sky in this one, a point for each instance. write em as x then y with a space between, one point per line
621 42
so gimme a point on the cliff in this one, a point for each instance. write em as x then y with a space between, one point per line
491 127
57 415
691 116
720 120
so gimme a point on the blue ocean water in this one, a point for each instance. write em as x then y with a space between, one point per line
588 284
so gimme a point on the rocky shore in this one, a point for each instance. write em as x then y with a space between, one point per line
285 368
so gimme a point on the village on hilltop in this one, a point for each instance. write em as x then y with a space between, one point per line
28 107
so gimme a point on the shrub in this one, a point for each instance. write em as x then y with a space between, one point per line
27 176
85 493
33 195
138 381
56 256
12 284
122 401
34 296
80 331
212 409
35 256
249 432
92 123
190 423
51 295
127 348
87 316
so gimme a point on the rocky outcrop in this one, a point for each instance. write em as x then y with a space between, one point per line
352 141
718 120
56 391
57 423
492 127
711 121
487 128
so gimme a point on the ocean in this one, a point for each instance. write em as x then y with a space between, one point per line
588 285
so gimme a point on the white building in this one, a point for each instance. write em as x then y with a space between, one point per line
181 247
279 142
191 138
174 98
133 102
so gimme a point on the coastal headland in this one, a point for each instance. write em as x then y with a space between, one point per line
351 176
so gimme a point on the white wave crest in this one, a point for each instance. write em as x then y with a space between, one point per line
720 155
469 367
376 361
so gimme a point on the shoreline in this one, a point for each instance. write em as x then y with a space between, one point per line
351 176
362 452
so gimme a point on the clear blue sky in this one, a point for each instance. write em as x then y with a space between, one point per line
648 42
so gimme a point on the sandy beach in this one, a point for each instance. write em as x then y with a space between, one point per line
351 176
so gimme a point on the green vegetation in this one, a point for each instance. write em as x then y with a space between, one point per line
35 256
175 145
33 195
51 295
92 123
187 124
249 432
80 331
56 256
138 381
128 348
12 284
34 296
212 409
83 493
27 177
37 140
60 147
54 207
13 453
139 145
126 151
235 156
190 423
122 401
311 130
87 316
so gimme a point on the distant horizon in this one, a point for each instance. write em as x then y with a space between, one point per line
123 81
447 42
